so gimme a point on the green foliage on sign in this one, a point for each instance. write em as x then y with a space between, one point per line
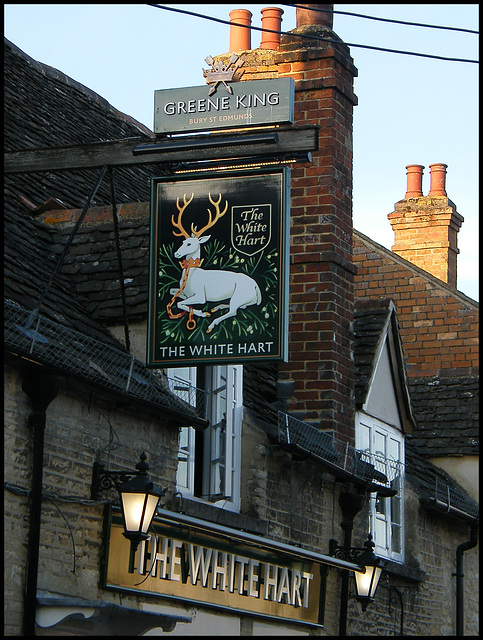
251 322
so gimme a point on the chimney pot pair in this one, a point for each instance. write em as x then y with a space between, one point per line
240 36
415 180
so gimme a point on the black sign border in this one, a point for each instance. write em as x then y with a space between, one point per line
281 351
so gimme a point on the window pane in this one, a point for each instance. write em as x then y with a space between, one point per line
394 449
396 538
364 440
380 533
396 509
379 444
381 506
184 474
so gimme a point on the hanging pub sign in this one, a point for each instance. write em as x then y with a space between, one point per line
218 268
183 560
241 104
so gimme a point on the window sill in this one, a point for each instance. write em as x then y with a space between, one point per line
403 571
208 512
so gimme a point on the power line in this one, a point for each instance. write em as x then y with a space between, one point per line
312 37
361 15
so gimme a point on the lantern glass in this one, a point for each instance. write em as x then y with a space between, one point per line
138 509
366 583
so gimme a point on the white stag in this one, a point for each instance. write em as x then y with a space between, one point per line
198 286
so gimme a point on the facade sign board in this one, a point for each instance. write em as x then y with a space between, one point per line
251 103
202 567
219 268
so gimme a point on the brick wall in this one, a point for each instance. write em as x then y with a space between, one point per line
438 325
321 272
321 286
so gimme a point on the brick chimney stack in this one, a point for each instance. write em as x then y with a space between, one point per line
320 369
321 270
426 227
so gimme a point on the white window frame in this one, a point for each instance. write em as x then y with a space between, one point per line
380 441
182 381
221 440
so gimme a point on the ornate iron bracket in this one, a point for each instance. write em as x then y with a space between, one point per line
350 554
103 479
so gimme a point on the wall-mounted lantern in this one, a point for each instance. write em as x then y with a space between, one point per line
367 581
138 495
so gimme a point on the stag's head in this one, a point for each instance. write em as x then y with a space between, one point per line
190 247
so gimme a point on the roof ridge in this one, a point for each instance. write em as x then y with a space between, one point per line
56 74
418 270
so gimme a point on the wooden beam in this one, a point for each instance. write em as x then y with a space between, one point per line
120 152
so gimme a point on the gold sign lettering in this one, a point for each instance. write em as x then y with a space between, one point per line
205 571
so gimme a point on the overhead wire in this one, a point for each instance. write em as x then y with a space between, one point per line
314 37
391 20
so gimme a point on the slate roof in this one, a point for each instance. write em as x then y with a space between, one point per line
436 489
47 317
92 262
30 255
447 412
45 108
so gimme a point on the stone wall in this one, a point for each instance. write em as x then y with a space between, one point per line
80 427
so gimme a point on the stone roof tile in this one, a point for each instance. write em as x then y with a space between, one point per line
447 415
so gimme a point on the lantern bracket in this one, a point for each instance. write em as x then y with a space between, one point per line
345 553
104 479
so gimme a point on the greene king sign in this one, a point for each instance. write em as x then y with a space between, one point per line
218 268
250 103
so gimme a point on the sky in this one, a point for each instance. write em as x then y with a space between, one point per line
411 109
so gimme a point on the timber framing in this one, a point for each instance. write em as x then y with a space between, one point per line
116 153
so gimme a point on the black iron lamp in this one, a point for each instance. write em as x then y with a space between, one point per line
138 495
367 581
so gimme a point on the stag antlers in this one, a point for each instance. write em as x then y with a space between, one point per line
177 223
211 221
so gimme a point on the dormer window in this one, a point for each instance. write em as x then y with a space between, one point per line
383 444
384 415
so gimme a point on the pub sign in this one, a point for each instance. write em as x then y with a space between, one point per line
246 104
187 562
218 268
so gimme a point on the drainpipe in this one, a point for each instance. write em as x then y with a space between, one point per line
460 550
351 504
41 389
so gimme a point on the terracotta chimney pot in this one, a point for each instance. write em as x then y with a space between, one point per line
438 179
414 181
271 19
324 18
240 37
